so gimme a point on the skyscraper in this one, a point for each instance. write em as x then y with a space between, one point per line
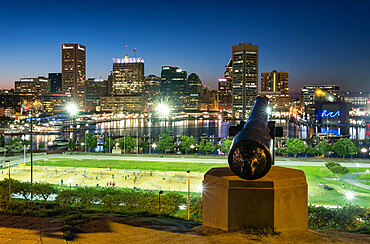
275 81
174 86
245 79
74 72
128 76
194 83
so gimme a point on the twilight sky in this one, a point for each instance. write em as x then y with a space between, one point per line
318 42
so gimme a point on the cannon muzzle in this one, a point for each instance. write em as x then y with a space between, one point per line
250 156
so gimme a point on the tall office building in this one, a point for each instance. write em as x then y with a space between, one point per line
55 82
194 83
245 79
174 86
126 87
225 89
74 73
275 82
128 76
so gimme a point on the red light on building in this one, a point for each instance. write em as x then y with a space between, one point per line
368 102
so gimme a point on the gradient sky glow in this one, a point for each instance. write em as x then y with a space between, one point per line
325 42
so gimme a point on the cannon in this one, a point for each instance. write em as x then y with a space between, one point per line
251 153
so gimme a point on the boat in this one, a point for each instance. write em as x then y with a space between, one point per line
13 133
60 143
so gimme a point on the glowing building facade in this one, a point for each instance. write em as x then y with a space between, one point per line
74 73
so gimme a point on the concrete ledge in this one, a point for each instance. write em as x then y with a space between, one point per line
277 200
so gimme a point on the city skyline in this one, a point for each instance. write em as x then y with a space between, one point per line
318 43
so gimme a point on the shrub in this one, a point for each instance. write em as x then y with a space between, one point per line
331 164
196 154
340 170
345 218
196 208
171 202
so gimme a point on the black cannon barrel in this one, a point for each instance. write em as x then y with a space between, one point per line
250 154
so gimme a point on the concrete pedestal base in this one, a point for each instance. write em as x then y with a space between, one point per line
277 200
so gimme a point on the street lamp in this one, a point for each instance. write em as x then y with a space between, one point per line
367 172
364 150
357 165
188 193
159 201
192 149
70 183
72 110
154 146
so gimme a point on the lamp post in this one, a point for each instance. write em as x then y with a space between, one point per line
357 165
188 193
364 150
31 146
70 183
192 149
154 146
10 199
159 201
72 110
367 173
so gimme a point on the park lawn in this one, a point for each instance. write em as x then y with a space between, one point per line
127 164
319 196
365 182
364 176
315 175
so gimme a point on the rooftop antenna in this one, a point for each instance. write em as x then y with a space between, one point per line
126 52
135 52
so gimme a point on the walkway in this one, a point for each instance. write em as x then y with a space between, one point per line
351 179
30 230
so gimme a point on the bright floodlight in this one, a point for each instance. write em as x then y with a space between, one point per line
269 110
200 188
364 150
72 109
163 109
350 196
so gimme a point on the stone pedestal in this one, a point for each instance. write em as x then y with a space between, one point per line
277 200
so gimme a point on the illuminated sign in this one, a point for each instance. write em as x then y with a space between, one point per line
325 113
127 60
367 101
166 68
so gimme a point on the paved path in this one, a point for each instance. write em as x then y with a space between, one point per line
30 230
351 179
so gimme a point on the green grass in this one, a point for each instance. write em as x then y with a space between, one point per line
315 175
365 182
126 164
319 196
363 176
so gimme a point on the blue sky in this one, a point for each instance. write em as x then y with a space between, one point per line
316 41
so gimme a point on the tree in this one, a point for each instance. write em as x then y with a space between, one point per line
127 142
226 144
71 145
312 150
295 146
108 144
44 190
14 145
165 143
143 145
282 150
209 147
202 146
345 147
186 143
91 141
41 146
